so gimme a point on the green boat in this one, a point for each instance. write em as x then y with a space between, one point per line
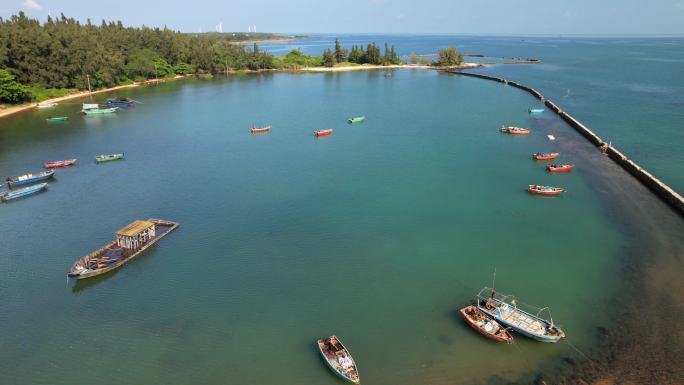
100 111
108 158
357 119
57 119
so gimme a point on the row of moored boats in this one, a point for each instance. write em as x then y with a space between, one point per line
112 106
316 133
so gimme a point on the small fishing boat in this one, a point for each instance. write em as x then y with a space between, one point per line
60 163
327 132
515 130
357 119
535 110
545 156
46 105
130 242
256 130
508 314
560 168
338 359
29 178
100 111
551 137
57 119
544 190
485 325
120 102
108 158
22 192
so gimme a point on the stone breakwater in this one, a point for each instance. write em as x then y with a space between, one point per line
665 192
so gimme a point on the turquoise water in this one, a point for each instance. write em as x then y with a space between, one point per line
378 233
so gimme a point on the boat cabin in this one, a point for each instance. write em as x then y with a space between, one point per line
135 235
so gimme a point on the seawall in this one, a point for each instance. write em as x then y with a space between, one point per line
665 192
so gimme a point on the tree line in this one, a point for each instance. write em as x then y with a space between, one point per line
371 55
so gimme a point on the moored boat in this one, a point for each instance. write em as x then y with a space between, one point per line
120 102
130 242
485 325
509 315
29 178
22 192
323 132
100 111
255 130
535 110
108 158
545 156
515 130
356 119
60 163
46 105
338 359
544 190
560 168
551 137
57 119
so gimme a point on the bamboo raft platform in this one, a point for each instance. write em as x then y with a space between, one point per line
131 241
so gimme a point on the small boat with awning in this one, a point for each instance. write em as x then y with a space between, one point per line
357 119
485 324
338 359
29 178
22 192
545 155
256 130
504 309
535 111
560 167
327 132
108 158
514 130
100 111
120 102
536 189
60 163
46 105
57 119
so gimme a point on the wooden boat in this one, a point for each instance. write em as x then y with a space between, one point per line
29 178
535 110
357 119
130 242
338 359
108 158
560 168
509 315
22 192
515 130
485 325
57 119
255 130
60 163
46 105
544 190
545 156
120 102
100 111
327 132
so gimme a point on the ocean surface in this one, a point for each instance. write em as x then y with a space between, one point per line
378 233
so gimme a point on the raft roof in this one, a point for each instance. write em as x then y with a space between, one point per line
135 228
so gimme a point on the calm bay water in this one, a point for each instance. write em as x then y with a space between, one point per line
378 233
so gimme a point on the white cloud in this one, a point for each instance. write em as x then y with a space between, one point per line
31 5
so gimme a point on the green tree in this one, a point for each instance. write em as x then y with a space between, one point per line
340 53
10 90
357 55
328 58
449 57
373 54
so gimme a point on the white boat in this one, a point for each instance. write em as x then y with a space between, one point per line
551 137
46 105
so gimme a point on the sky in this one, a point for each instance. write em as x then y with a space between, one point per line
512 17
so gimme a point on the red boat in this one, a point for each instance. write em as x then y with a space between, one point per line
60 163
260 129
545 156
323 132
515 130
544 190
485 325
560 168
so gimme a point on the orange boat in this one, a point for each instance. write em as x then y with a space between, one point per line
255 130
560 168
544 190
545 156
515 130
323 132
485 325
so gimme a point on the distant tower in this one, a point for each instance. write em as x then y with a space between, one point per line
249 28
219 27
254 28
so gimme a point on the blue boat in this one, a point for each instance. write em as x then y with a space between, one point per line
535 110
508 314
22 192
29 178
120 102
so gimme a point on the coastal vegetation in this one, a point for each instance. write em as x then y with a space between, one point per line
448 57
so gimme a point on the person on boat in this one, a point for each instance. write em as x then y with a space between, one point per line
333 344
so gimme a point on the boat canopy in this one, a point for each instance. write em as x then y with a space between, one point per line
135 228
90 106
489 292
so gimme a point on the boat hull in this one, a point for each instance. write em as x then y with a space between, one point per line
357 119
535 110
256 130
100 111
60 163
21 193
108 158
120 102
58 119
323 133
33 179
519 320
535 191
549 156
504 337
563 168
328 361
